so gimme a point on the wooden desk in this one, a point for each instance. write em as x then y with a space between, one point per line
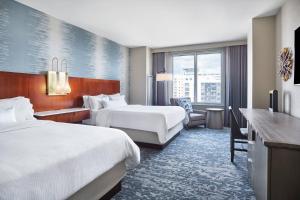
273 154
71 115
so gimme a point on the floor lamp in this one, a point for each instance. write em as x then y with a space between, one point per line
162 77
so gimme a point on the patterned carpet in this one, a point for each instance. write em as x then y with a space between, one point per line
196 165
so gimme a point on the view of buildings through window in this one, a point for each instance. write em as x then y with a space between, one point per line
183 76
207 83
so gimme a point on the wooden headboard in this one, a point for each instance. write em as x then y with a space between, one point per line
33 86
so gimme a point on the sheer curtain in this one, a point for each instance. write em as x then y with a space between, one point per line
236 82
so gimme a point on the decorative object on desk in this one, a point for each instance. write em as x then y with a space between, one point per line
273 100
286 63
58 81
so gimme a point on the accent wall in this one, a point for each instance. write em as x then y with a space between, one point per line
29 39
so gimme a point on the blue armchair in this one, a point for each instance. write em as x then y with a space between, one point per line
194 117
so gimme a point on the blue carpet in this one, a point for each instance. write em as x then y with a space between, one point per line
196 165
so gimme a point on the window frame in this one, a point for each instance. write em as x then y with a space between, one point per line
223 71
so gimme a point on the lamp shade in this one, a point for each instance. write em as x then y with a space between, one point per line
164 77
61 80
67 88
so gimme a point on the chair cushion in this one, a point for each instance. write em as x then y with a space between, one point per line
197 117
244 131
186 104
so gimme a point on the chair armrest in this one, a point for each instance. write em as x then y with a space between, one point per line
203 112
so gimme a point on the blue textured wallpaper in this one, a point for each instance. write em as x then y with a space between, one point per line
29 39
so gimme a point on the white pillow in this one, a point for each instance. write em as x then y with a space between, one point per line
22 105
96 101
86 103
117 97
115 103
7 115
114 96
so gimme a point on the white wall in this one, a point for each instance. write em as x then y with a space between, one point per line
140 67
249 68
261 61
287 20
149 77
278 47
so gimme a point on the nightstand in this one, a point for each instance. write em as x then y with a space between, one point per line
70 115
215 118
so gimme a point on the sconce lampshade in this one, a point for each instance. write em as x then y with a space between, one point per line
61 81
51 82
67 85
164 77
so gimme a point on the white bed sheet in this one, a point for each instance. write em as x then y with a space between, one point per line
49 160
157 119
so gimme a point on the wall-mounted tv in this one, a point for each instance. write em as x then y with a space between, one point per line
297 57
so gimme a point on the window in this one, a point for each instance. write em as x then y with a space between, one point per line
206 86
209 78
183 76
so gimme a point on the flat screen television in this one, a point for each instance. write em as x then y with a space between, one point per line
297 57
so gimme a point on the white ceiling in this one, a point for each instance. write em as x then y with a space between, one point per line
160 23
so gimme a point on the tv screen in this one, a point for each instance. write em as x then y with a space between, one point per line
297 57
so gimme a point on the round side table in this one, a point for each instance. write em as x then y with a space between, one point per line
215 118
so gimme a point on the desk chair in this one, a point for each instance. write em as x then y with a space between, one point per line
237 134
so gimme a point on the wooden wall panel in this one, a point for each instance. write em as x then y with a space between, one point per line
11 86
35 87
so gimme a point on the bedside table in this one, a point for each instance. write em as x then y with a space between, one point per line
215 118
71 115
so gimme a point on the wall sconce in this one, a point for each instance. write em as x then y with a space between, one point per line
58 81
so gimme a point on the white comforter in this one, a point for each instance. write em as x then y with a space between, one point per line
49 160
148 118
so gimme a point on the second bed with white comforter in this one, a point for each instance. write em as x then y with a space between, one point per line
158 119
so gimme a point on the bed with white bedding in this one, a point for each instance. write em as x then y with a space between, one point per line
50 160
144 124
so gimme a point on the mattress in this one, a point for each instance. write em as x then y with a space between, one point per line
158 119
50 160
